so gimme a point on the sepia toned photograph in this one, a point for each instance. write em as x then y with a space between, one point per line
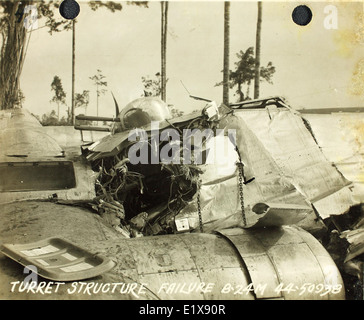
190 151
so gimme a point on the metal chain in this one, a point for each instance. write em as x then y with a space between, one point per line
241 193
199 205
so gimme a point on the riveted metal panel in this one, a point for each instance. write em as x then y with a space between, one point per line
331 274
190 266
261 269
289 261
297 268
228 284
211 251
161 254
263 274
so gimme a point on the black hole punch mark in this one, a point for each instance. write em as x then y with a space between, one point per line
69 9
302 15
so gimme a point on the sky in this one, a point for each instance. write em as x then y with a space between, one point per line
314 65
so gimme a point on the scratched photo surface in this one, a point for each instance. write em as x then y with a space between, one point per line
181 150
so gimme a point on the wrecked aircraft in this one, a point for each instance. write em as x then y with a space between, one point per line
277 178
187 226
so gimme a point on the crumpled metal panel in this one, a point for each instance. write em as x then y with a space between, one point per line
221 202
343 144
336 203
280 214
290 144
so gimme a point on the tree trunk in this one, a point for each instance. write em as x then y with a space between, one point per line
164 24
225 97
241 93
72 117
97 101
12 55
257 51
